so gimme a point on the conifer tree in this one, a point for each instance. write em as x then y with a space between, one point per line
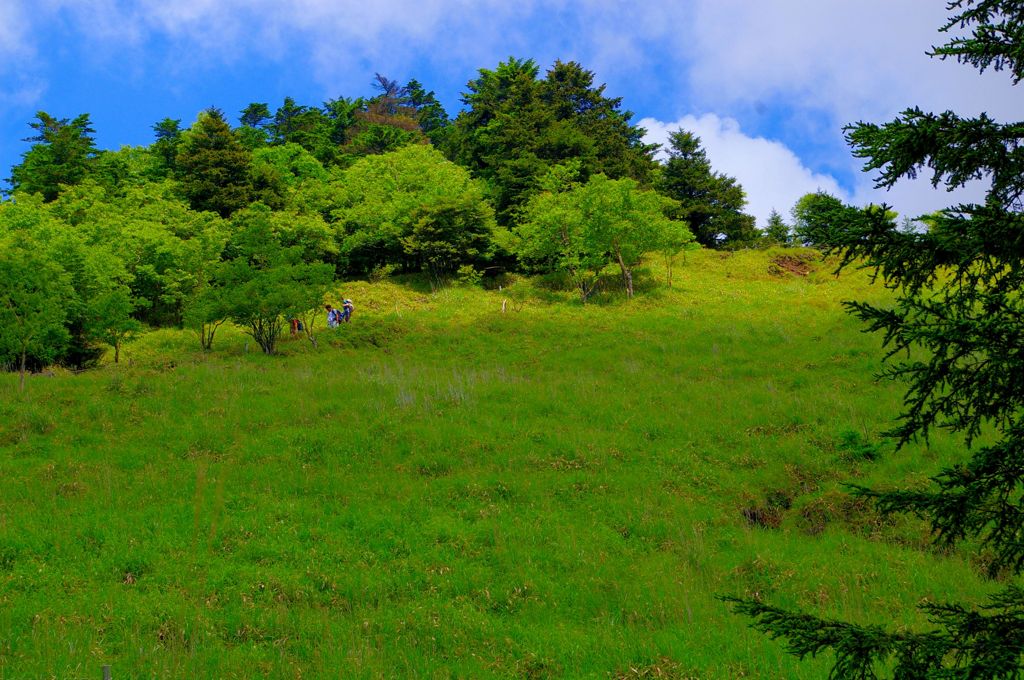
710 202
168 137
776 230
213 166
518 126
62 155
958 298
432 117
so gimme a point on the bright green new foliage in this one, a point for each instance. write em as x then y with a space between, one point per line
109 318
554 237
584 228
33 295
164 250
627 222
450 234
263 281
382 198
816 216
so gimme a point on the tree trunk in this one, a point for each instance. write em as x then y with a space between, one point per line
627 275
206 333
265 332
307 328
585 290
117 352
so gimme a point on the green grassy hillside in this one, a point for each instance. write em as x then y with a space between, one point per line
444 489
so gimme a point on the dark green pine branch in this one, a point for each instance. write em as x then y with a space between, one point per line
997 39
986 642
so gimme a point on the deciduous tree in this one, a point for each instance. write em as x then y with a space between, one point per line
450 233
382 198
264 282
109 315
34 292
582 228
816 216
675 239
626 221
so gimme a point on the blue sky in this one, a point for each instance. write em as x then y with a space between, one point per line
767 85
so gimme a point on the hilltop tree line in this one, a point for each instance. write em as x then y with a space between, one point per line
538 173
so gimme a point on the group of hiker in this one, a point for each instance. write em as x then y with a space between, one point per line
335 316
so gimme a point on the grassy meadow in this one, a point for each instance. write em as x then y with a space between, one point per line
446 490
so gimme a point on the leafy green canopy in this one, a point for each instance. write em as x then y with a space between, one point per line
164 247
958 298
817 215
382 200
579 229
355 184
264 281
90 281
33 297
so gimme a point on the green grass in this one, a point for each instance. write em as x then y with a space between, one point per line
446 490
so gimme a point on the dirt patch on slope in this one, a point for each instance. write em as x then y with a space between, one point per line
797 265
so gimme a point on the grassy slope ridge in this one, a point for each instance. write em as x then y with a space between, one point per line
446 490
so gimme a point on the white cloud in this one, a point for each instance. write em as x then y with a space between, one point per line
850 60
774 177
21 92
13 25
853 60
771 174
19 84
339 41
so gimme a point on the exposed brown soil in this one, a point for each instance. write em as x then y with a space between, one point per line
791 264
